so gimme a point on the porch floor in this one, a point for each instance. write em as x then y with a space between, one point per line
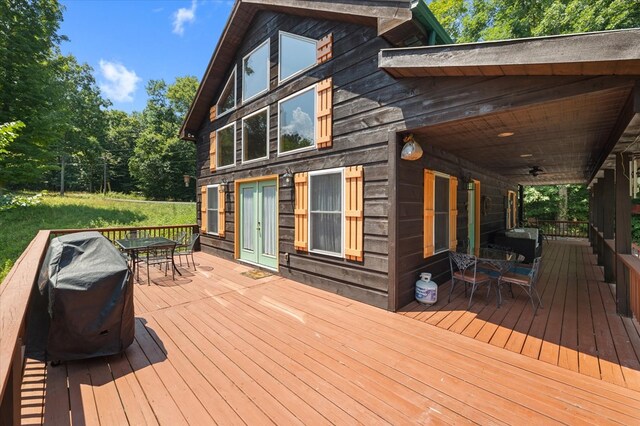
219 347
578 328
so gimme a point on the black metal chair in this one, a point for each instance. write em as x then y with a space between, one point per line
526 279
186 250
467 272
159 255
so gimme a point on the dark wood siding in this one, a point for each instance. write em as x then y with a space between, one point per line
355 74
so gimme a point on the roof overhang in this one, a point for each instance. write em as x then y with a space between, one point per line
599 53
385 16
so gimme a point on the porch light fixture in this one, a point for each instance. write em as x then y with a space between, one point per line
187 179
411 150
469 183
505 134
287 178
225 184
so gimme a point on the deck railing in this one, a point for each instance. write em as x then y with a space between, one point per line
563 228
15 295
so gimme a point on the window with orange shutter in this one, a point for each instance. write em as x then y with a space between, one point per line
440 213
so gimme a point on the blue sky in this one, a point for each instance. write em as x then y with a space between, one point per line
131 42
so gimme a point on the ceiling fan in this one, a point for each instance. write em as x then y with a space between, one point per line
535 171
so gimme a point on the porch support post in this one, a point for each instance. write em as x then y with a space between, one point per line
598 219
591 215
608 217
623 232
520 205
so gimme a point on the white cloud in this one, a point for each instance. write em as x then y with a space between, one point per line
301 124
183 16
119 83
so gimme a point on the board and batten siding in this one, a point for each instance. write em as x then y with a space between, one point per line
354 71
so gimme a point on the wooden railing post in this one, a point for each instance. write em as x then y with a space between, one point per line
622 232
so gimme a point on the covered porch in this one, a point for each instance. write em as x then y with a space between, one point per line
218 346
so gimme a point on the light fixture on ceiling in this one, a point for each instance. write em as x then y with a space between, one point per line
411 149
526 155
505 134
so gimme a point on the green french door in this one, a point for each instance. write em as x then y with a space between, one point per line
259 223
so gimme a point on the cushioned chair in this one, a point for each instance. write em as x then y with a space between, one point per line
525 278
467 272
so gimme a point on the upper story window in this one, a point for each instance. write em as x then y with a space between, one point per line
255 136
255 72
297 120
227 101
225 146
297 54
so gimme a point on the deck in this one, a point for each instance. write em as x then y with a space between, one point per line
578 328
218 347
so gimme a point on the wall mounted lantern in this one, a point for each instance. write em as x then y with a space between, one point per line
287 178
411 150
187 179
225 184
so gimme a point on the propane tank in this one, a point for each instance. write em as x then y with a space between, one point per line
426 290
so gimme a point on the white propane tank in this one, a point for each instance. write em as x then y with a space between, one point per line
426 290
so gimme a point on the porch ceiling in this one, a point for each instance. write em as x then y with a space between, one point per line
568 138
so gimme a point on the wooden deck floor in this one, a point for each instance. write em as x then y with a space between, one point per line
217 347
578 328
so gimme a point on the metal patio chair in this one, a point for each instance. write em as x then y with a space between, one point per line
525 278
160 255
467 272
186 250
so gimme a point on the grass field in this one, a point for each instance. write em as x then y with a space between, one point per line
81 210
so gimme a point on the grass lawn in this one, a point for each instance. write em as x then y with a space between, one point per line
80 210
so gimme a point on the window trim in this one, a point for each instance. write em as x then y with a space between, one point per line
313 87
340 170
448 177
267 141
267 42
217 189
297 73
218 146
234 75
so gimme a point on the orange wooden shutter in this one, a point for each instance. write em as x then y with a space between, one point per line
324 49
203 210
212 151
301 239
325 114
221 206
453 213
429 207
212 113
354 213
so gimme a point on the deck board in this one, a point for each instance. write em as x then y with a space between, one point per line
215 346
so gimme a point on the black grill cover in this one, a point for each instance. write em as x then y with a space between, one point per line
88 290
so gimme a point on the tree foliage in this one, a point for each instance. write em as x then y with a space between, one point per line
547 202
477 20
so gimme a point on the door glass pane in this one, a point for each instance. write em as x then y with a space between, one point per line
441 220
326 212
296 54
254 136
248 219
297 118
255 72
269 225
226 145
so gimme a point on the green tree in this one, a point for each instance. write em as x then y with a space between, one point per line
160 158
548 202
120 140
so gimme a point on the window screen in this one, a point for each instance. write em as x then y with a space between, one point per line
212 209
441 214
326 204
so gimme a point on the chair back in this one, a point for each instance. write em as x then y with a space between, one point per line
192 241
535 270
463 262
181 237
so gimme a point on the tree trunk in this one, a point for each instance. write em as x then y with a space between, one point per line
563 208
62 175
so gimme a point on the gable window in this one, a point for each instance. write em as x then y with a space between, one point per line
255 72
296 54
255 136
297 121
227 101
440 212
212 209
225 146
326 211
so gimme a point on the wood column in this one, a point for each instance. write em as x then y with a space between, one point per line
394 157
608 221
622 232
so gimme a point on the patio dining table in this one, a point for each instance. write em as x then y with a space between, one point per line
134 246
495 263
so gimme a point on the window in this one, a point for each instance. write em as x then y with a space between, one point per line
212 209
225 146
255 72
255 136
297 121
441 213
227 101
326 210
297 54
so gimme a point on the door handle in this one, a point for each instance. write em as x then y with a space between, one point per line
258 228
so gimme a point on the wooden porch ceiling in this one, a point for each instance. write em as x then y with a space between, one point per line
217 346
567 137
